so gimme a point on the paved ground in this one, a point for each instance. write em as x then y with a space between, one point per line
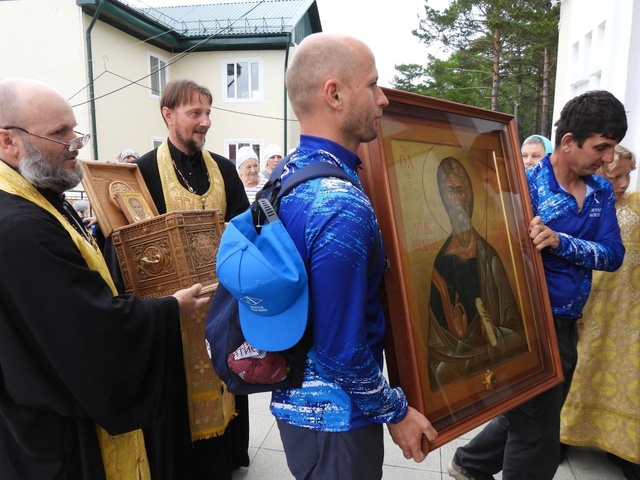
268 460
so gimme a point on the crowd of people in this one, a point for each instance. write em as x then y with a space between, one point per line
601 408
576 231
93 383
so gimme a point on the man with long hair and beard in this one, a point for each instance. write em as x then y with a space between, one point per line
82 369
474 322
204 434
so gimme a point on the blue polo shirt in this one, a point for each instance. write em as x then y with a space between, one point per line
333 225
589 238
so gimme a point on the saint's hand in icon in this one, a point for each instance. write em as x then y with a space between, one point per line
459 318
482 326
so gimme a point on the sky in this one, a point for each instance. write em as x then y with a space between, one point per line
387 31
384 25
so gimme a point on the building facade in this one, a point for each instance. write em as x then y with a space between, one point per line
598 50
111 59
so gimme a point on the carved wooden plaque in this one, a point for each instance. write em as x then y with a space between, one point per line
168 252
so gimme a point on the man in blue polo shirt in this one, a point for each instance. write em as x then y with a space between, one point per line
576 231
331 427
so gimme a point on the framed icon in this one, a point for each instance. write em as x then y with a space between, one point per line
103 181
134 206
471 333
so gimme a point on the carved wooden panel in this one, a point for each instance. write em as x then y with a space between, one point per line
169 252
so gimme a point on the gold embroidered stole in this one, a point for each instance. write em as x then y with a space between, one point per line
124 456
176 197
211 406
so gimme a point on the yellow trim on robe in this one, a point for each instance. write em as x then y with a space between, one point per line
211 406
176 197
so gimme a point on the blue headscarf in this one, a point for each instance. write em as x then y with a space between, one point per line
548 148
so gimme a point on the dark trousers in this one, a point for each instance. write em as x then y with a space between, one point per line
353 455
524 443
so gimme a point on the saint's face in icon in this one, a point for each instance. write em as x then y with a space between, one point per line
457 202
138 209
456 193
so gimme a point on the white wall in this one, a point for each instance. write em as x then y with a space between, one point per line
127 115
599 49
51 47
130 117
44 40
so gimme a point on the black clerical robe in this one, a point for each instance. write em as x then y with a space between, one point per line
71 354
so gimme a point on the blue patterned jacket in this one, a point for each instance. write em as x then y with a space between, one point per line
335 229
589 239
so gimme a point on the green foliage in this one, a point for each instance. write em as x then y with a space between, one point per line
497 52
410 77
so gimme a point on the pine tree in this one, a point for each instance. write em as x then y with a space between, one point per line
501 55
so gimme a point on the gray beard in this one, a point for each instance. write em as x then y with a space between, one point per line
195 146
461 224
47 172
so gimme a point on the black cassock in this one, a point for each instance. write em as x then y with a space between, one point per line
71 355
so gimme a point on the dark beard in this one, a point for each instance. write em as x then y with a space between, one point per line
46 172
195 146
191 144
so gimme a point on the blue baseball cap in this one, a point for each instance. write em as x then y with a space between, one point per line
268 277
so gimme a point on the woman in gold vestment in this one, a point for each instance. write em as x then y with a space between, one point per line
603 406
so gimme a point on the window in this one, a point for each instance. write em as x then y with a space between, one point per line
243 79
157 74
234 145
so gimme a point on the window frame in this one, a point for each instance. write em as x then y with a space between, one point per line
259 93
159 73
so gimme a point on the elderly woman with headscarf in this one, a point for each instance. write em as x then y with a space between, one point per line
534 149
127 156
249 172
272 156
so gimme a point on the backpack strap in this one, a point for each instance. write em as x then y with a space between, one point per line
273 184
275 188
311 171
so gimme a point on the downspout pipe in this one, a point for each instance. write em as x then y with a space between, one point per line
92 96
286 119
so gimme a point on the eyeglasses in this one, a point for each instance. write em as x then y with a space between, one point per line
74 144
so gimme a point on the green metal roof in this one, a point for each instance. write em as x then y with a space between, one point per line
246 18
269 24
